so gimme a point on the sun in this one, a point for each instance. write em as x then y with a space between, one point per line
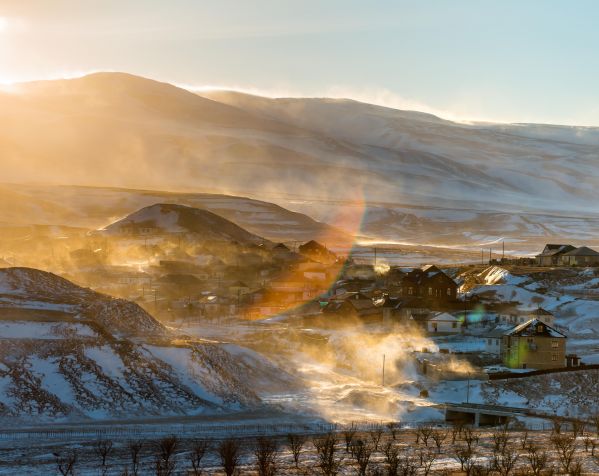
3 24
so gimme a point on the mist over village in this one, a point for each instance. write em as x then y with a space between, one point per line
299 238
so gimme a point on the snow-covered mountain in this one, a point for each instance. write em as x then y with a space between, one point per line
67 352
310 155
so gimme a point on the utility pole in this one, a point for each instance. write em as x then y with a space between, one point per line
383 370
468 391
490 250
502 250
482 256
375 256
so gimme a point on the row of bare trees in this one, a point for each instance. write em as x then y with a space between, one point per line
375 452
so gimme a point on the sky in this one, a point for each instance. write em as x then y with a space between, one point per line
503 60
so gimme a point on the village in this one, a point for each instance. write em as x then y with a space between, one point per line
187 284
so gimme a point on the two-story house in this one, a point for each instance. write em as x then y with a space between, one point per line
533 345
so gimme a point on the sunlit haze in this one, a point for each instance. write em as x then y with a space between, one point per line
299 237
508 61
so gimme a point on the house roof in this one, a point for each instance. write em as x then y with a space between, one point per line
443 316
351 295
181 279
498 331
419 276
552 249
582 251
238 284
531 328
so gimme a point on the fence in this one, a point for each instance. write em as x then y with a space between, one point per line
216 431
509 375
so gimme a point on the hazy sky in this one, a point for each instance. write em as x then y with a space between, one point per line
506 60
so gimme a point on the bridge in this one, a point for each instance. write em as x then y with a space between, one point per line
479 414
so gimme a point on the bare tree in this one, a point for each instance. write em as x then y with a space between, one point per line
393 429
578 428
556 423
348 436
427 458
439 437
375 436
464 455
456 430
65 462
134 454
425 432
326 449
500 440
103 449
198 451
361 452
407 466
165 462
470 438
296 443
565 446
524 440
229 452
504 462
265 453
537 459
576 468
392 459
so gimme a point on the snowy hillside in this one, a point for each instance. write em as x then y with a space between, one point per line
69 353
572 295
170 218
94 207
407 176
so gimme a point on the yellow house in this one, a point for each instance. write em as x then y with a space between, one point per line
533 345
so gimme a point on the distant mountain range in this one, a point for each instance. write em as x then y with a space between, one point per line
402 173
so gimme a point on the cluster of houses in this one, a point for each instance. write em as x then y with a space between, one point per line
314 283
567 255
427 299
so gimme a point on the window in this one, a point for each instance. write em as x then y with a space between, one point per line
410 291
496 341
554 343
449 291
430 291
554 357
540 328
530 340
454 325
490 341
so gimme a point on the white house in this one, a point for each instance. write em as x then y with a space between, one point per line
443 323
492 339
520 316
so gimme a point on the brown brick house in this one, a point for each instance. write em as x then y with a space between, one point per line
533 345
430 284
